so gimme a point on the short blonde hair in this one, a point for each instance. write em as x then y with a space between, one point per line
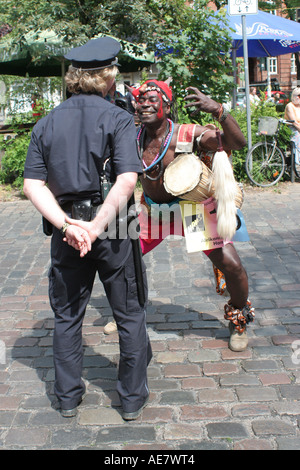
295 92
89 81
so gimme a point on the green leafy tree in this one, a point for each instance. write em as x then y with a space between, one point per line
12 164
199 55
287 8
78 20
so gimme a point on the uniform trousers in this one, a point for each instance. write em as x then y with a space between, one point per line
71 280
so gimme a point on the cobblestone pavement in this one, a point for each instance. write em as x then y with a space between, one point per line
203 396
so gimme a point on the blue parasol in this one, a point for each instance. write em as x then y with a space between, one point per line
267 35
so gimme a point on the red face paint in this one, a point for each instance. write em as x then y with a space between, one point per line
151 99
160 111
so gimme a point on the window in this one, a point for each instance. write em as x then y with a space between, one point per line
273 65
293 64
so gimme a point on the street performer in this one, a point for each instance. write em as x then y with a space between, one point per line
158 140
62 179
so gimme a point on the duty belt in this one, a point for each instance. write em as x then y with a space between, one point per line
87 210
82 210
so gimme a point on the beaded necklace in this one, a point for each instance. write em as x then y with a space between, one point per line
160 154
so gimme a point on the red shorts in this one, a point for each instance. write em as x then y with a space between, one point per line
147 227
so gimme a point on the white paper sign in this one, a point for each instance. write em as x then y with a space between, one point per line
242 7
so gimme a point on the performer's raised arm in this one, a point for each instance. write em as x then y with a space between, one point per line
232 136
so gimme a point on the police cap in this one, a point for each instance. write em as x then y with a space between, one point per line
95 54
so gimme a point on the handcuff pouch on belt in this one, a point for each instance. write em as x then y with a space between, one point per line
84 210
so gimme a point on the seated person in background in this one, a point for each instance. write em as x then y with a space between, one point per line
292 113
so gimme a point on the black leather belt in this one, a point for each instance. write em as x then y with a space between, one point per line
81 210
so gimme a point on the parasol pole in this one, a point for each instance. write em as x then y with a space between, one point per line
234 75
246 68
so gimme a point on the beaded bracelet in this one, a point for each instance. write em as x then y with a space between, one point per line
222 114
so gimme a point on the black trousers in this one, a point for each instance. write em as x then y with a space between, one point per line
71 280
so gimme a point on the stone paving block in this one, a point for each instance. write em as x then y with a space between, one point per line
169 326
183 344
291 408
99 416
288 443
10 402
272 351
207 412
184 370
227 430
259 365
177 397
257 394
164 384
252 409
203 355
274 379
206 324
28 388
36 402
168 356
214 344
227 354
24 376
72 438
270 331
6 418
272 427
291 392
220 368
203 445
218 395
27 437
47 418
125 434
157 414
198 383
180 431
253 444
239 379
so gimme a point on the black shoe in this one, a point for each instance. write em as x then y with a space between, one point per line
130 416
72 411
69 413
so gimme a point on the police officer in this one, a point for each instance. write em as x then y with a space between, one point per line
66 154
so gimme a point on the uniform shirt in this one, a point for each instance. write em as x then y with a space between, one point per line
69 146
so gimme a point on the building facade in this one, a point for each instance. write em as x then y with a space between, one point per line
284 69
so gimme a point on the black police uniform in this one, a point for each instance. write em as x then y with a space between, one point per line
67 149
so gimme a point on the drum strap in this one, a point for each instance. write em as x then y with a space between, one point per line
185 138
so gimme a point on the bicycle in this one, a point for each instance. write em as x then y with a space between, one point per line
266 162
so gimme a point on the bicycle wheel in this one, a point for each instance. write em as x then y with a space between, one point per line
265 164
297 169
